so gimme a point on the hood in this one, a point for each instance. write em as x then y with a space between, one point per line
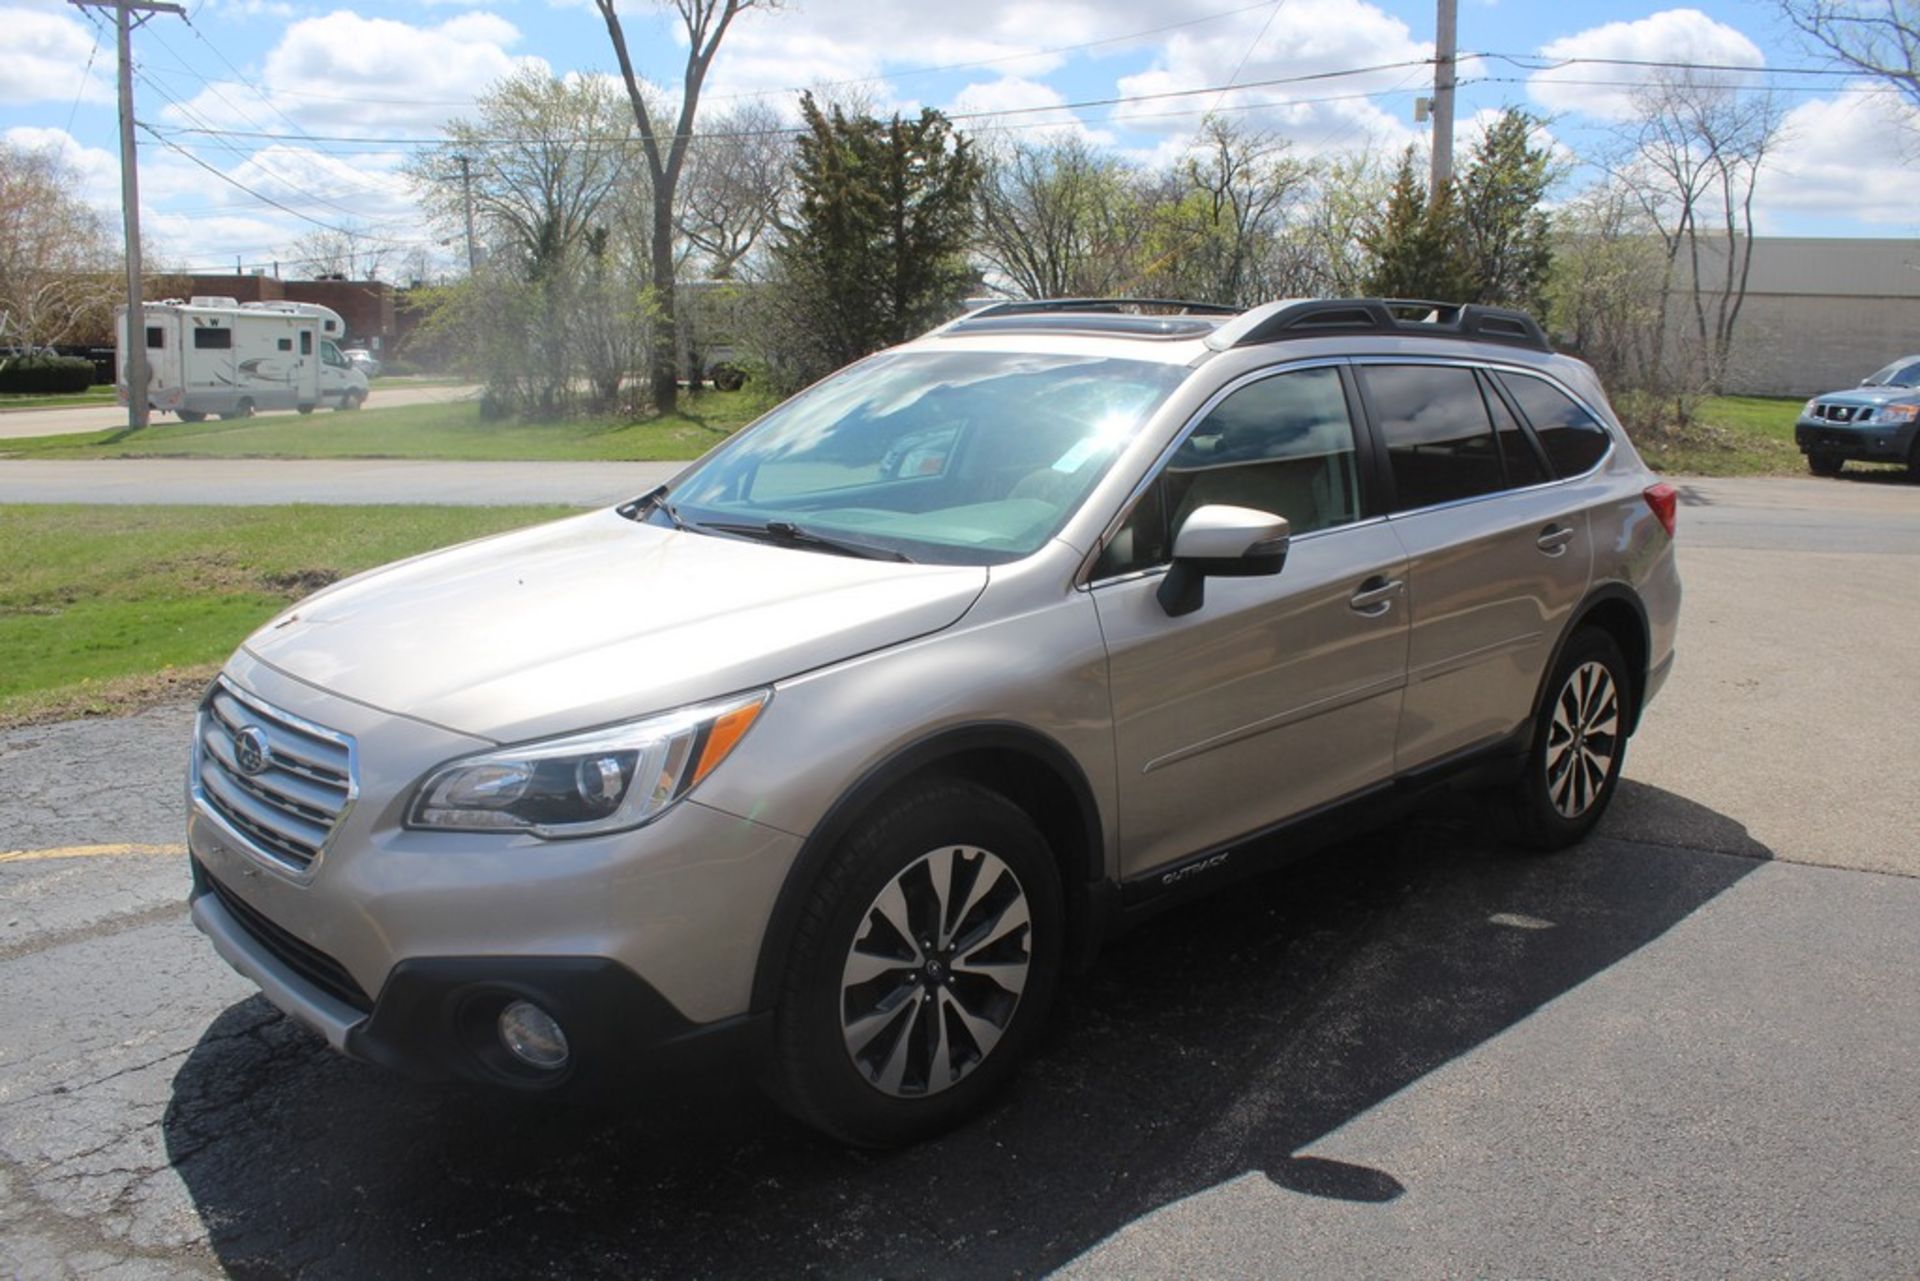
1868 395
598 619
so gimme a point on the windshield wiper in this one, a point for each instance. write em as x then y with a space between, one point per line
653 500
792 535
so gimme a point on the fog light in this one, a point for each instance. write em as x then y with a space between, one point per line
531 1035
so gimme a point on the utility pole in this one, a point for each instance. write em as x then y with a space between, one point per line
136 335
1445 38
466 189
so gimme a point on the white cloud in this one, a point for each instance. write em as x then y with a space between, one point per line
1039 108
1299 39
99 170
343 71
42 58
1848 156
1673 35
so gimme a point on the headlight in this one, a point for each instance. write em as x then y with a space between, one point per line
1806 410
606 780
1896 413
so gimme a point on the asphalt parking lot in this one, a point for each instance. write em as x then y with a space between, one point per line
1689 1048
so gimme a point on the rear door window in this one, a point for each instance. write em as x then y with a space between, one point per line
1572 438
1434 424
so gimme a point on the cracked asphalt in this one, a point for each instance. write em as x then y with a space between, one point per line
1690 1048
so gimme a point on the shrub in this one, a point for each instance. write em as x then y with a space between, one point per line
44 375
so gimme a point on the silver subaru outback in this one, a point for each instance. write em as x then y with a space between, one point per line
838 750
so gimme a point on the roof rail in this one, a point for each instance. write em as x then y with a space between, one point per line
1032 306
1410 317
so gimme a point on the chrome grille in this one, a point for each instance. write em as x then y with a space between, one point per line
284 810
1842 413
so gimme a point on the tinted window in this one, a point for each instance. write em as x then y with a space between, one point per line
1436 431
1573 440
306 342
156 336
212 339
1523 463
284 344
1282 445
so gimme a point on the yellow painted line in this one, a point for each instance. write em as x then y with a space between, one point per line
87 851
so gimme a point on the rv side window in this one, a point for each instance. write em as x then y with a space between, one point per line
212 339
306 342
156 336
285 344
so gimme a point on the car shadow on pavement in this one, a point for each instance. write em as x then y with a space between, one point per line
1215 1041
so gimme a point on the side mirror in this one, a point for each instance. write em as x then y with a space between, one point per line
1221 542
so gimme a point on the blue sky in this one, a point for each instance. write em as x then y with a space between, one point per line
277 81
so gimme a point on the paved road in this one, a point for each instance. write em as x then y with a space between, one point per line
15 424
1687 1049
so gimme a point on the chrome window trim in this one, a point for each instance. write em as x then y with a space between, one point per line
239 840
1083 578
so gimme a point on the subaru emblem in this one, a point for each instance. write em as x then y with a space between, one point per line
250 750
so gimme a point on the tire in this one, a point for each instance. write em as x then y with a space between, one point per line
190 416
1825 464
1913 459
305 409
351 401
243 408
883 1039
1579 743
727 377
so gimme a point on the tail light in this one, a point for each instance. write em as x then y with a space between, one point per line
1663 500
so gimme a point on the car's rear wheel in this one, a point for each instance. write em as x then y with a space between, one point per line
922 968
191 415
243 408
1579 743
1825 464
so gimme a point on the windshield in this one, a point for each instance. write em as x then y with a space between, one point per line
966 457
1899 374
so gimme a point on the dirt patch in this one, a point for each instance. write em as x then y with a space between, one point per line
122 696
300 582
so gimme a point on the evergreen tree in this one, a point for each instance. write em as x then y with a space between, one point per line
877 251
1504 234
1415 245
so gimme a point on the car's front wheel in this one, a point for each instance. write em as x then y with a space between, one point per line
922 968
1579 743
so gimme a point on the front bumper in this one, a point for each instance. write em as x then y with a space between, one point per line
435 1018
1865 442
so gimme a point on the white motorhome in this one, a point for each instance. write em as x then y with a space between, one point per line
217 356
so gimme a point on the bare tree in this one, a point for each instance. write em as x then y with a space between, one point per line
1057 219
350 251
1879 38
1217 214
1692 157
56 252
705 23
736 177
543 155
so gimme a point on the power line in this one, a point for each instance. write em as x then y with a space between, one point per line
795 130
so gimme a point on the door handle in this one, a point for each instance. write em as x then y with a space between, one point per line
1553 539
1375 596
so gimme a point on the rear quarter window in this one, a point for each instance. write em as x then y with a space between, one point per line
1573 439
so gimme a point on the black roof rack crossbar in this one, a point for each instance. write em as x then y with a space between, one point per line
1412 317
1030 306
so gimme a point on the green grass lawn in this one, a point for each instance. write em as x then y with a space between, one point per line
106 609
416 431
66 400
1731 436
